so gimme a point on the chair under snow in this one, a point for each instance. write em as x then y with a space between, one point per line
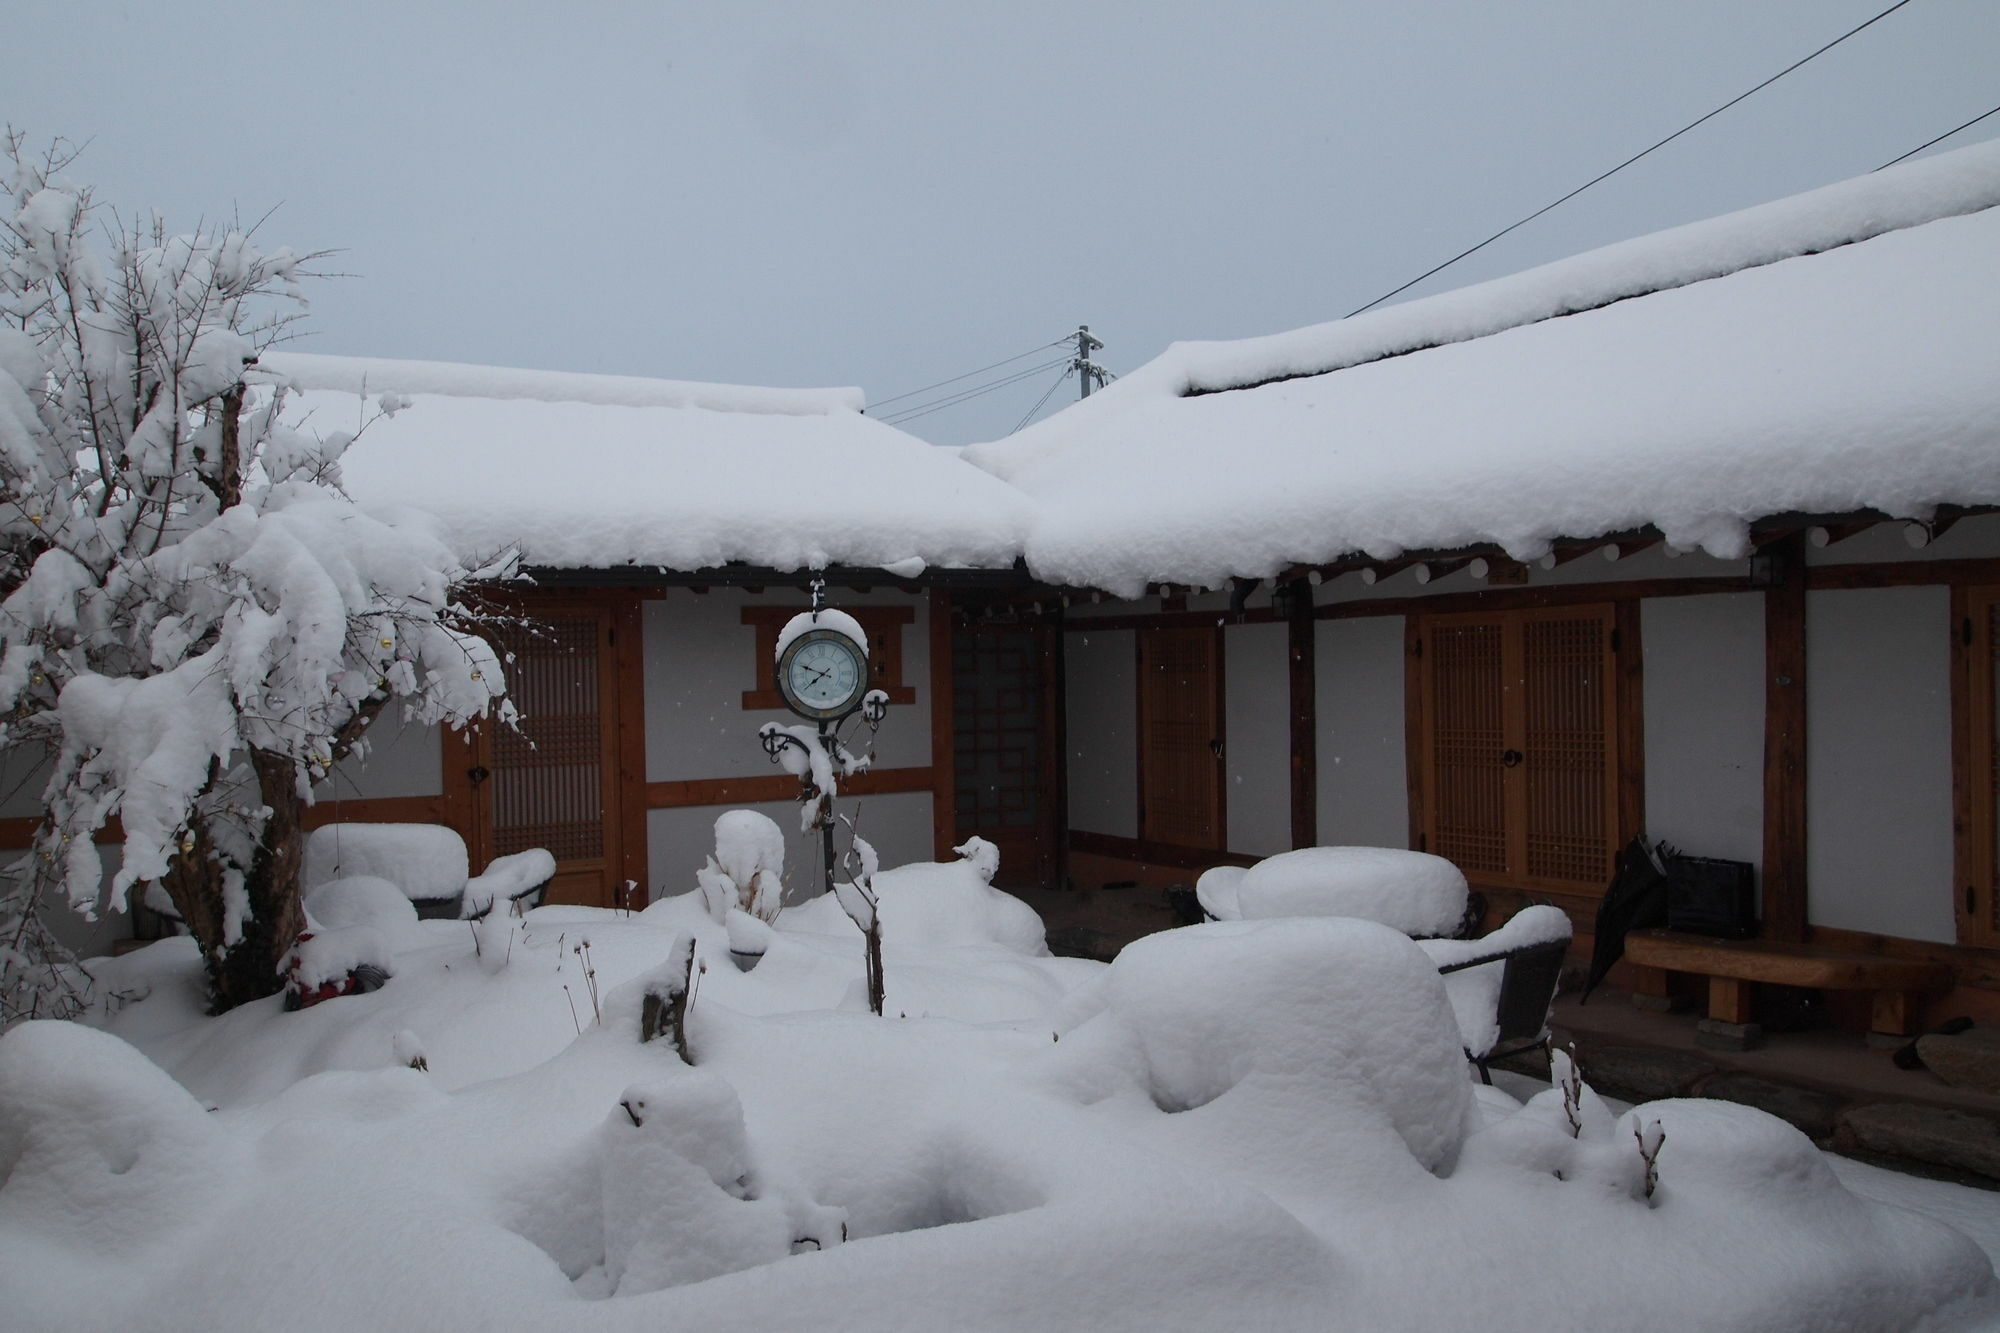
1501 986
428 863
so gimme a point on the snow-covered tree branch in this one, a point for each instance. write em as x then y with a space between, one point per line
192 613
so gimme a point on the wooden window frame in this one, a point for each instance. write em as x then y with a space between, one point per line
882 624
1623 733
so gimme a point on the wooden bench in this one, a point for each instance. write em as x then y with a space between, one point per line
1734 966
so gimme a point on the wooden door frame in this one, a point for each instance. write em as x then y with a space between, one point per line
1051 772
621 705
1624 735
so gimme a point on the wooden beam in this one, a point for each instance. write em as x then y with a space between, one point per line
1155 853
1302 632
944 770
376 810
1518 599
1903 574
1054 757
1784 868
778 787
1416 736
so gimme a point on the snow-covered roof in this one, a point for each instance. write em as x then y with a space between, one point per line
601 471
1828 352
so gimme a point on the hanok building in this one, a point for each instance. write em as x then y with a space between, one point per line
1690 536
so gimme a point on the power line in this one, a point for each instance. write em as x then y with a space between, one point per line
925 409
1046 395
970 373
1941 138
1630 160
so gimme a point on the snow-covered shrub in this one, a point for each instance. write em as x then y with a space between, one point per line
682 1200
193 616
983 856
932 905
747 871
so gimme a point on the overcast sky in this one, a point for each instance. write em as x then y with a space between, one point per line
888 194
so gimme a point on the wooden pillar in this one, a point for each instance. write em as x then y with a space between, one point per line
944 769
629 671
1053 836
1783 575
1304 715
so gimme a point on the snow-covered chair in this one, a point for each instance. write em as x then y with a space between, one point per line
428 863
1501 986
1421 895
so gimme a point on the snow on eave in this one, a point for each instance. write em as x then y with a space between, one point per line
373 375
1910 194
1950 184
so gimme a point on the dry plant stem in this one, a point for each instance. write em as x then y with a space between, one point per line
663 1009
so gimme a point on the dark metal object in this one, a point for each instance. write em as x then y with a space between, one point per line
1527 989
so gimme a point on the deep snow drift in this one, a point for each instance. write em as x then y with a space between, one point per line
1261 1124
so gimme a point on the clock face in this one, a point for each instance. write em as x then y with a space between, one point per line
823 674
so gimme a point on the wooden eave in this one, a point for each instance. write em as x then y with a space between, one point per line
861 578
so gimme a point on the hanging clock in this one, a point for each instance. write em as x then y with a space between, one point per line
823 674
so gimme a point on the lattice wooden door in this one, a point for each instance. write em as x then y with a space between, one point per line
1003 783
1520 763
552 783
1180 738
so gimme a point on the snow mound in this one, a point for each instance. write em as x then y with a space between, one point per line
427 861
1346 1016
942 904
363 900
1413 892
99 1148
682 1201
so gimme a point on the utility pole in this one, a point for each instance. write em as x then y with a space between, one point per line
1086 369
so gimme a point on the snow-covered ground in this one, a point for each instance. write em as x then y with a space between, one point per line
1261 1124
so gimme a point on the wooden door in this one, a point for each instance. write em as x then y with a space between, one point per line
553 781
1181 738
1520 762
1003 757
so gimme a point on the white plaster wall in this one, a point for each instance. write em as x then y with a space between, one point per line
701 657
1704 722
401 759
1878 761
1358 692
1100 720
1257 762
898 825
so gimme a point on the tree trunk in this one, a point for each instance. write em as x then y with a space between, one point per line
247 968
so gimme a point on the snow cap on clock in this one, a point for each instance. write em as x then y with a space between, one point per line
828 618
